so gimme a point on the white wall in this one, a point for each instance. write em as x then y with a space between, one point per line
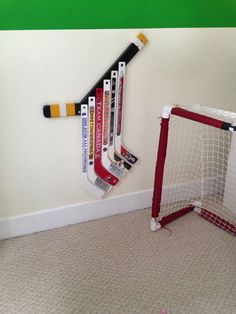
40 158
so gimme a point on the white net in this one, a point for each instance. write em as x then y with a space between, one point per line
200 165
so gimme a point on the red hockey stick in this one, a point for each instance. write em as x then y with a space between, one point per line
98 167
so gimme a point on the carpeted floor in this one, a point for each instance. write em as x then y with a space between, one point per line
116 265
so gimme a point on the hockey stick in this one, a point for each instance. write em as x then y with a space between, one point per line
109 164
102 172
120 148
74 108
92 176
113 154
92 188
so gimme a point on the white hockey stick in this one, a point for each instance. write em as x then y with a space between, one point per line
92 176
113 154
112 166
93 189
120 148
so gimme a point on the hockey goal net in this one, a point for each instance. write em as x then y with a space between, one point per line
196 166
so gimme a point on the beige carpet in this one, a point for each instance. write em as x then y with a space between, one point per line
116 265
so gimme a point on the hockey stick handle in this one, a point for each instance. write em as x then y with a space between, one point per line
126 56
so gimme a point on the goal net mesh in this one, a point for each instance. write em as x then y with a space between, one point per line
200 165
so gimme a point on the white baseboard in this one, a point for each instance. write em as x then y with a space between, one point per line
73 214
76 213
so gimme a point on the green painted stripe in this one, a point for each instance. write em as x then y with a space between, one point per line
78 14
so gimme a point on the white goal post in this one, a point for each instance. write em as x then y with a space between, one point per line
196 166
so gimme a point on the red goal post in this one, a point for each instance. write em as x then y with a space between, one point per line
195 166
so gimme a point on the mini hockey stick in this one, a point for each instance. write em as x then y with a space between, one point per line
92 176
102 172
111 147
112 167
118 124
59 110
92 188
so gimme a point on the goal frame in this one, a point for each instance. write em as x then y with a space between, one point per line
156 220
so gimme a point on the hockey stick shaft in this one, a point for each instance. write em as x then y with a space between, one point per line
92 176
130 158
126 56
115 155
99 169
89 186
110 164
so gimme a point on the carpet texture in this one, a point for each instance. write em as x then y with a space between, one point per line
116 265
